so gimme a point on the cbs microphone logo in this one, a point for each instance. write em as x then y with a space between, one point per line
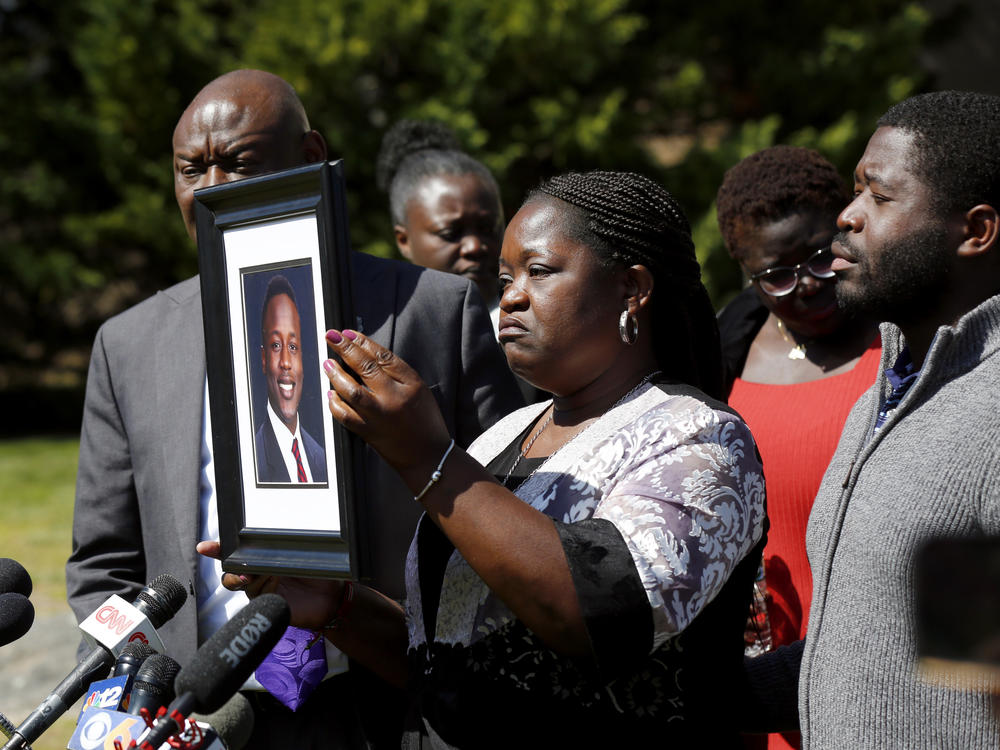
102 728
112 619
246 639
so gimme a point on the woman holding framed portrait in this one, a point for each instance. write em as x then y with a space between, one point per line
582 573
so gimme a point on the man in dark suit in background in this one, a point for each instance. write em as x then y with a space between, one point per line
145 485
282 446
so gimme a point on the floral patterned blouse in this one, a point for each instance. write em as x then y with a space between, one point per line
660 507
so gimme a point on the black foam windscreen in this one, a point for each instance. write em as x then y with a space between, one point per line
14 578
233 722
228 658
160 599
16 616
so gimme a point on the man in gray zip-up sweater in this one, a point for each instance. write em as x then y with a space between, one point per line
917 460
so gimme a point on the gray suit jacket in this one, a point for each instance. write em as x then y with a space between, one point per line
136 513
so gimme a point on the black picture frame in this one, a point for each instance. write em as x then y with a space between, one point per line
291 224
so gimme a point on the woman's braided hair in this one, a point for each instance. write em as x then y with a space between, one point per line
628 219
412 151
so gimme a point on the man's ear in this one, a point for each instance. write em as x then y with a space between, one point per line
981 228
638 288
403 241
313 147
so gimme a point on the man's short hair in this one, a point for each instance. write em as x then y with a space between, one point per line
276 286
773 184
956 137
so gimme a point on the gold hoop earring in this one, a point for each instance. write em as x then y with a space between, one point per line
628 328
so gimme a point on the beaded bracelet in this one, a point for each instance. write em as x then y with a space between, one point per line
437 472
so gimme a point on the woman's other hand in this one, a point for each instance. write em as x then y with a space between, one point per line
312 601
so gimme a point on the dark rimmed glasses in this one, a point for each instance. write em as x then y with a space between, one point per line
782 280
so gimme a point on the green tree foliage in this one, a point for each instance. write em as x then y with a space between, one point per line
92 90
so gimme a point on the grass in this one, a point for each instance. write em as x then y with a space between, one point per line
37 478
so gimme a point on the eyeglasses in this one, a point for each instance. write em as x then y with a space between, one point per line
782 280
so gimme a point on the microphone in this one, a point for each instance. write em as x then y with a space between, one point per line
6 728
114 692
103 728
222 664
233 722
131 658
16 616
154 685
158 601
14 578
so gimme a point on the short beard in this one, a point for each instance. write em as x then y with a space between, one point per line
908 278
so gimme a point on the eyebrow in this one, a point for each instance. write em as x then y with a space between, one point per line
872 176
525 253
227 150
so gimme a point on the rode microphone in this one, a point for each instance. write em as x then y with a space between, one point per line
14 578
158 601
222 664
154 685
16 616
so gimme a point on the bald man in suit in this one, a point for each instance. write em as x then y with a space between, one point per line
145 485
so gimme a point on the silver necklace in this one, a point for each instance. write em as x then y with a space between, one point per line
545 424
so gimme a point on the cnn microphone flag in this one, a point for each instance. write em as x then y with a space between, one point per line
117 623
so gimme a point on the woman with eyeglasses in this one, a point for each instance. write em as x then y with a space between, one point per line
795 364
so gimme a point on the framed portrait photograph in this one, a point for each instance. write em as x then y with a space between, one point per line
274 258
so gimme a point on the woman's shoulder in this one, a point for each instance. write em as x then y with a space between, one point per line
678 414
684 399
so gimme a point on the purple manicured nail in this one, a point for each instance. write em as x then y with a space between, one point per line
244 579
333 337
350 335
328 366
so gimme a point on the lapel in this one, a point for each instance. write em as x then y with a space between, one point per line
276 469
374 289
179 382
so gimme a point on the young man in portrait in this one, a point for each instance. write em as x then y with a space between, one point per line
283 450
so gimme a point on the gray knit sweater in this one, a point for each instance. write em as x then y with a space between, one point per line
932 470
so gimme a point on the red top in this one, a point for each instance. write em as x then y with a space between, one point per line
797 428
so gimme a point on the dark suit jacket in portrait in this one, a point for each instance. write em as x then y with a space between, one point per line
270 464
136 513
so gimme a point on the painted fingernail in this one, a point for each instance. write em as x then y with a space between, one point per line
352 335
328 366
333 337
329 395
244 579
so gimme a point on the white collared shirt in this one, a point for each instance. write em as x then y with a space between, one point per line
285 438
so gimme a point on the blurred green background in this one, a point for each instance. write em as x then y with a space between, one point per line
91 90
